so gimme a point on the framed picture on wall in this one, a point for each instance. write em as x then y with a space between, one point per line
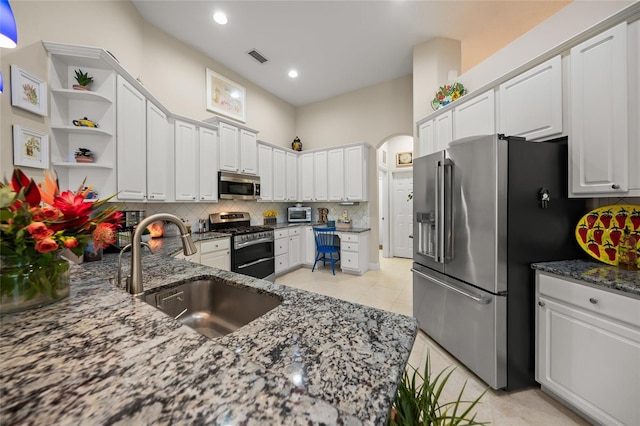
225 97
28 91
404 159
30 149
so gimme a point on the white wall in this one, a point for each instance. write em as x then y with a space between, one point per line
567 23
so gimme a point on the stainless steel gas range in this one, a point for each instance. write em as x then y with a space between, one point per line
252 246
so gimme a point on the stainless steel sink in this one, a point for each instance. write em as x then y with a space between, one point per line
211 307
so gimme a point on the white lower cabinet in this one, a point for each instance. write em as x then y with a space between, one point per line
588 349
215 253
354 252
281 250
287 248
309 246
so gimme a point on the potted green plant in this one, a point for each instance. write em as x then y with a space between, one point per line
83 79
418 401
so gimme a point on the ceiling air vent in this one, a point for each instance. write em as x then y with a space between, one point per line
257 56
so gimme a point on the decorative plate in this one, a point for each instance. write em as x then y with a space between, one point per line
447 94
599 231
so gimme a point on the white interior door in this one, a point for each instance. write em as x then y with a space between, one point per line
402 213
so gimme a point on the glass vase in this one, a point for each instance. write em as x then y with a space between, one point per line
26 285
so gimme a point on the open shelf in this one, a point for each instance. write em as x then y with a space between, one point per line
83 165
78 130
80 95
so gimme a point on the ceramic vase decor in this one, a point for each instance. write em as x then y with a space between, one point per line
25 285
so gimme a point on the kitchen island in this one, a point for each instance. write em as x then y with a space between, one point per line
103 356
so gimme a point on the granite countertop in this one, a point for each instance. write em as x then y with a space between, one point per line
290 225
103 356
599 274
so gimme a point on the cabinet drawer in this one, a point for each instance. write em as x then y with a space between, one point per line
281 246
280 233
346 246
282 263
594 300
349 260
351 238
294 231
209 246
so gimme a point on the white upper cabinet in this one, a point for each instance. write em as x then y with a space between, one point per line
208 164
320 180
426 142
238 149
598 142
132 142
186 139
531 103
248 152
306 177
157 154
265 159
292 176
336 176
475 117
442 131
356 163
279 175
229 151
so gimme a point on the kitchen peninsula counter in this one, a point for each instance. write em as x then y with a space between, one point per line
103 356
601 275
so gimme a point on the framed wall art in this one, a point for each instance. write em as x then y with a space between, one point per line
404 159
28 91
225 97
30 149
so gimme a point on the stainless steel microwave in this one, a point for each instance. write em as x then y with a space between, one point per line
298 214
234 186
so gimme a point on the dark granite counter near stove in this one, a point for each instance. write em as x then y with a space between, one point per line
103 356
626 283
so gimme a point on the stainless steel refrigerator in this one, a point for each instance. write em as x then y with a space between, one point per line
484 210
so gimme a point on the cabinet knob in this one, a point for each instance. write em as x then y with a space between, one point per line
541 303
615 186
193 198
593 300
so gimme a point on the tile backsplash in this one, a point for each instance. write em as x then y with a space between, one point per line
359 214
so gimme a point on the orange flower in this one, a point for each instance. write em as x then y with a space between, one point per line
70 242
46 245
104 235
39 231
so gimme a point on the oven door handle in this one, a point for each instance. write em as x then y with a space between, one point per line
254 242
246 265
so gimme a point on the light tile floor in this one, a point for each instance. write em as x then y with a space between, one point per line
390 288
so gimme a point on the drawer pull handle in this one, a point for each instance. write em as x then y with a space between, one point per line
541 303
593 300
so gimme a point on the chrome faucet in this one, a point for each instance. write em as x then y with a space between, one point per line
134 280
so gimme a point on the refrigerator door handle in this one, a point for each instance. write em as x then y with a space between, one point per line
439 193
479 300
447 222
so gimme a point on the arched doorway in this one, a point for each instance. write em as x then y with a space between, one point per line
395 182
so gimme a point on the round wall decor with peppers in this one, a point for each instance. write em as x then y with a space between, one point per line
600 231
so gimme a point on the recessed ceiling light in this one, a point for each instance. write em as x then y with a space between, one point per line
293 73
220 18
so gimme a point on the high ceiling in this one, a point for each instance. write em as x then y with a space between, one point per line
336 46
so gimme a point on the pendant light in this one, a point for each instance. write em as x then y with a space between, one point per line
8 29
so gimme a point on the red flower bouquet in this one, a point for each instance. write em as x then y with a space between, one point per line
36 223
